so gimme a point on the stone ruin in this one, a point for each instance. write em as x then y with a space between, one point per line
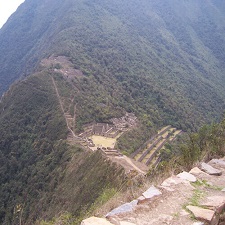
117 126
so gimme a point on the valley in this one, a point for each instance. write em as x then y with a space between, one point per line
103 137
101 98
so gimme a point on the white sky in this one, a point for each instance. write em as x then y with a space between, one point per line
7 7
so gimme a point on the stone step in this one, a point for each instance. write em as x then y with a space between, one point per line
165 205
210 170
125 208
204 214
218 162
149 194
215 203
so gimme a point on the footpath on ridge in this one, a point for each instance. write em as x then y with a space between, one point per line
196 197
96 135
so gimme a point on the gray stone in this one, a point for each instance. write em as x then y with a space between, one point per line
197 171
167 188
204 214
210 170
141 199
173 181
200 213
127 207
187 176
95 221
223 190
216 203
151 192
218 162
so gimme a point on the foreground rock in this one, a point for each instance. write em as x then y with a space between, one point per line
210 170
165 205
174 180
204 214
218 162
125 208
151 192
187 176
197 171
95 221
216 203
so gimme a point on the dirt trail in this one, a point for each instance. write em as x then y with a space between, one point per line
133 165
124 161
129 165
62 108
171 206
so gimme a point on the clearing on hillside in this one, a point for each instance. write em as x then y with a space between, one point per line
100 141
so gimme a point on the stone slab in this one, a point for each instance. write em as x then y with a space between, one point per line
216 203
173 181
95 221
200 213
141 199
223 190
204 214
151 192
125 208
218 162
197 171
187 176
210 170
167 188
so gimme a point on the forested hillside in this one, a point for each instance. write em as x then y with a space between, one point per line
40 174
162 58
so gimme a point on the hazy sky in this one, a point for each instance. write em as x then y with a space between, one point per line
7 7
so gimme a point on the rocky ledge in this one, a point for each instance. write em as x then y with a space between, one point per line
196 197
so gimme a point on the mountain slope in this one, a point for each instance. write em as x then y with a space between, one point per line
40 174
166 56
162 60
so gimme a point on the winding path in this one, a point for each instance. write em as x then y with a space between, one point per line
62 108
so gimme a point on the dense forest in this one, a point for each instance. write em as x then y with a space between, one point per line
161 60
41 175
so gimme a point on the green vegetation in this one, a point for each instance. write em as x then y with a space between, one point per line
204 183
40 174
197 196
207 143
132 140
134 57
162 60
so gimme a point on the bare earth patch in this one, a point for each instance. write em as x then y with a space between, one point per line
101 141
